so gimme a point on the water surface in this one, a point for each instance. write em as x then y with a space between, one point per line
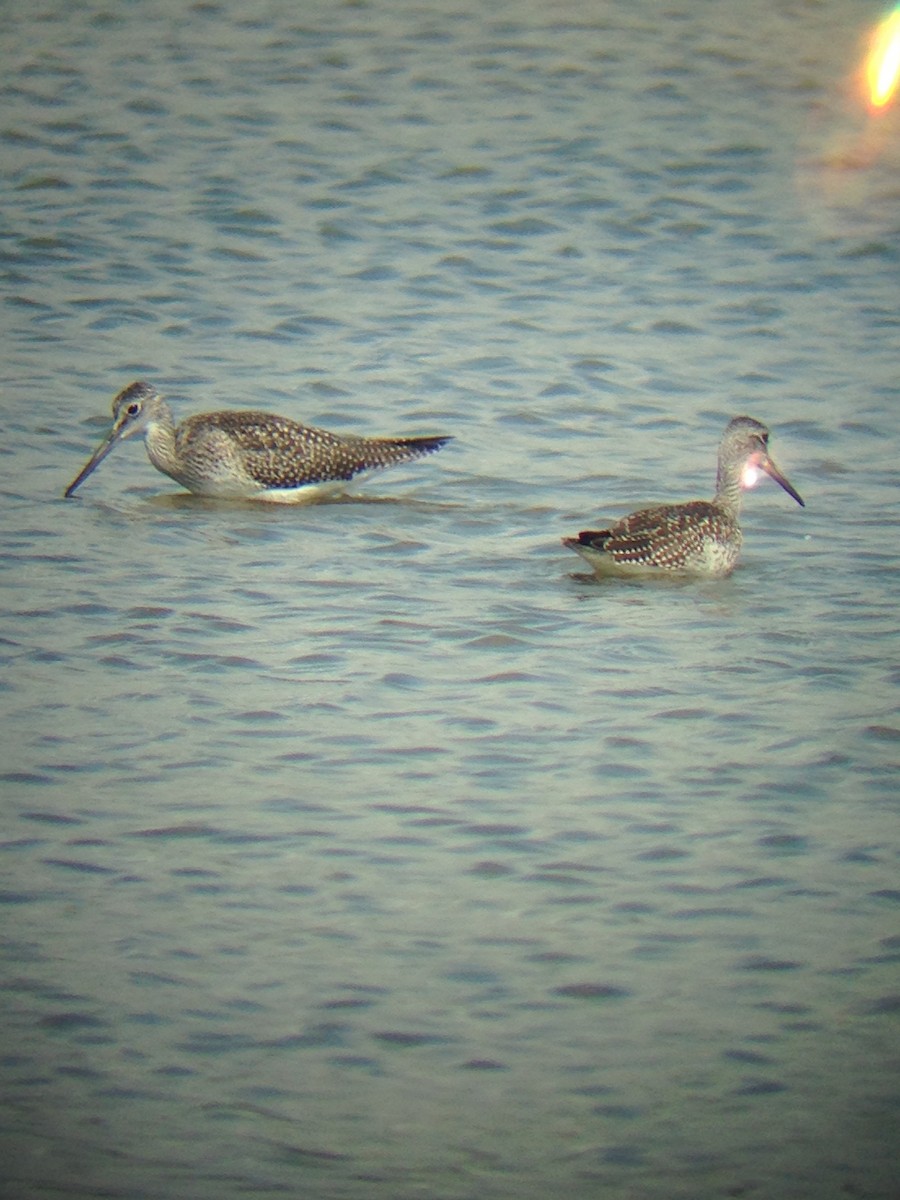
371 849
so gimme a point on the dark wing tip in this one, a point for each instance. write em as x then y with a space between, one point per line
403 449
588 537
428 445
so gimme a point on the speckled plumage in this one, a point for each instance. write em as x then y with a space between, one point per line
700 537
248 455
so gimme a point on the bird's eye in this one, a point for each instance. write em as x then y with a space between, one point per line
133 410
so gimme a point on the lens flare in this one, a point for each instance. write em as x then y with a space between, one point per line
883 62
750 475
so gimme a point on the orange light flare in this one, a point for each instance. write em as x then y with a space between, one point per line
882 65
750 474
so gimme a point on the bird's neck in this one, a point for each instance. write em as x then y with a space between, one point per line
729 492
159 439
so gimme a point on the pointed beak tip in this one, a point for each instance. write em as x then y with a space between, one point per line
774 473
93 462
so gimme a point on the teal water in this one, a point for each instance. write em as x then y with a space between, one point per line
371 849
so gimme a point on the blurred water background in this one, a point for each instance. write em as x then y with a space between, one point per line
371 850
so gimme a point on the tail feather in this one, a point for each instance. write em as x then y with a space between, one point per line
594 539
372 454
414 447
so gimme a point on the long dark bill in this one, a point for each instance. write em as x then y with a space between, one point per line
772 471
93 462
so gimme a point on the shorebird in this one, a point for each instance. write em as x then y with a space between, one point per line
248 455
701 537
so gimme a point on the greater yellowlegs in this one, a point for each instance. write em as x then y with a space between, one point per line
248 455
701 537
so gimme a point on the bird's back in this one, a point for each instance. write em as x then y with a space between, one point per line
696 537
276 453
